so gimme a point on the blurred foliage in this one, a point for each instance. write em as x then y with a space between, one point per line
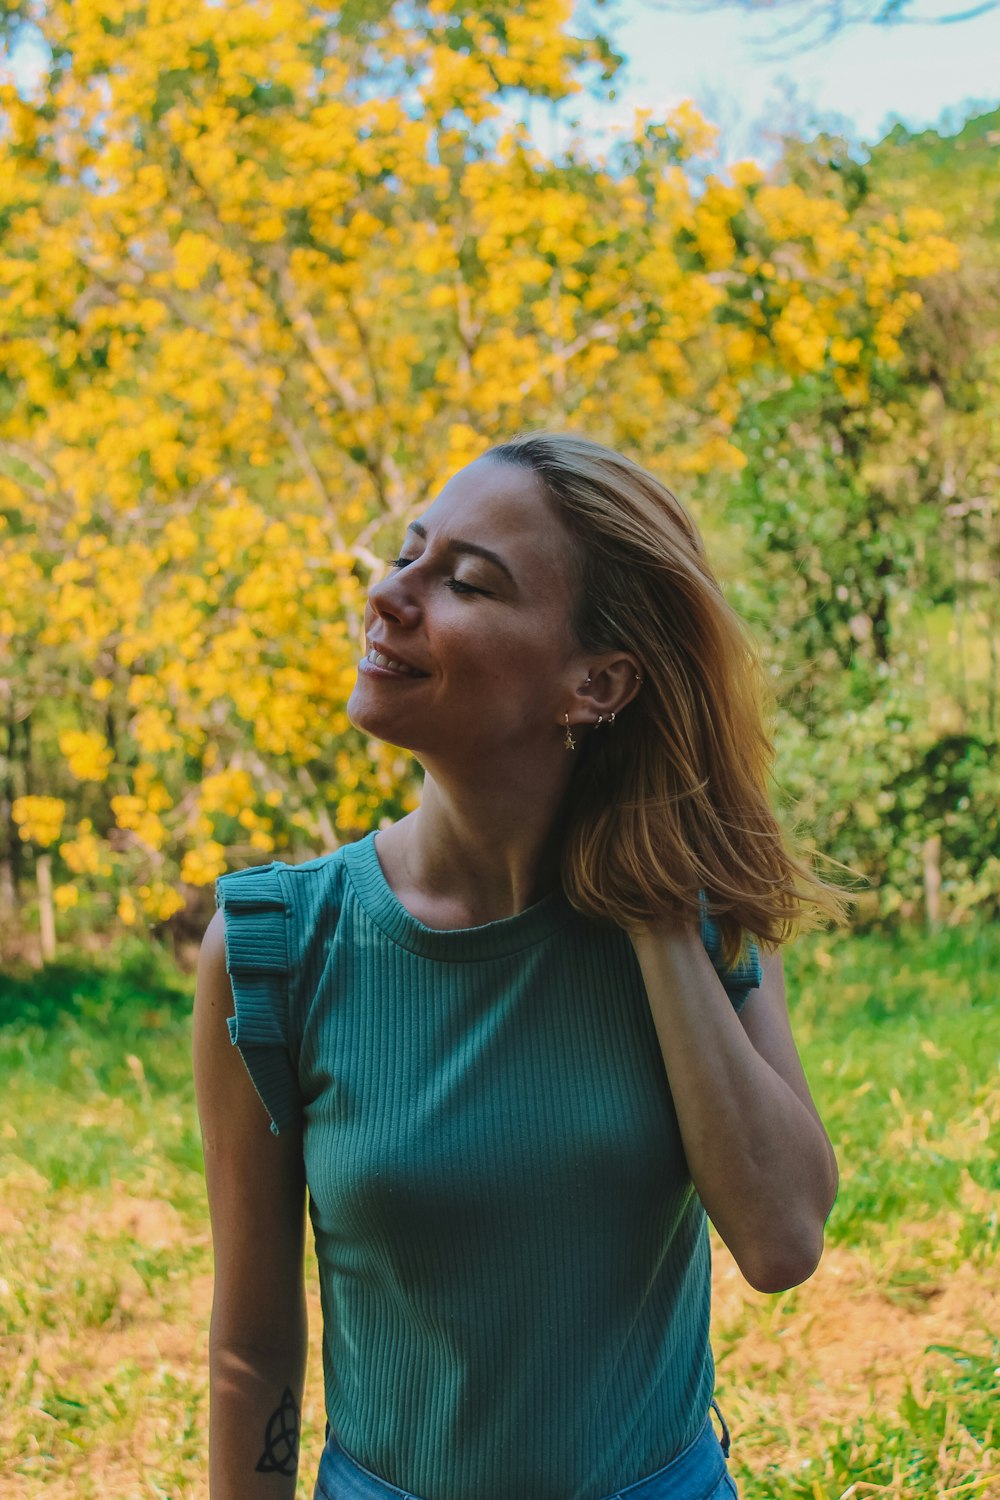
873 528
270 274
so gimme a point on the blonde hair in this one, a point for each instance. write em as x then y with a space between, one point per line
675 797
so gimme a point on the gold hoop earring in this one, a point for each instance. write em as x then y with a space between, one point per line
569 741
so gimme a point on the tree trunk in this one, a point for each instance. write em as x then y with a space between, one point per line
46 909
932 882
11 846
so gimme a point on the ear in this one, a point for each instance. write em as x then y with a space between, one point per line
612 682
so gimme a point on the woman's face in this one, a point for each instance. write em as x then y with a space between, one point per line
479 608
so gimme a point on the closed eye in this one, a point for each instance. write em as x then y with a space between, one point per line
455 584
458 587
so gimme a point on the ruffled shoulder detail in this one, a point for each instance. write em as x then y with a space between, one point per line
258 960
738 981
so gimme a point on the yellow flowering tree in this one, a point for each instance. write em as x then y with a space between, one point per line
267 279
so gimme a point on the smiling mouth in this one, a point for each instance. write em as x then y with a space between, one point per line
378 659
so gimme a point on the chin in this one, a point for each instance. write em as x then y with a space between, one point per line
360 715
380 726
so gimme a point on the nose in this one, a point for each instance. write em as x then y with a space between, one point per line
394 598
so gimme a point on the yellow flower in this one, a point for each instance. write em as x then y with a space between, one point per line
845 351
133 813
88 754
86 854
128 810
203 865
150 730
746 173
194 255
65 896
39 819
158 799
160 901
228 792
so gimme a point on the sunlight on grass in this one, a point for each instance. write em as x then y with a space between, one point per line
876 1378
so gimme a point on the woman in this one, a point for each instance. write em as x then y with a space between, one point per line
510 1044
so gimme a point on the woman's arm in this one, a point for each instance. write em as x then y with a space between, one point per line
756 1148
256 1195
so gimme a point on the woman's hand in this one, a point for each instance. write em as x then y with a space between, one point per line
756 1148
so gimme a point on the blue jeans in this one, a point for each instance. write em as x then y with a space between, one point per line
697 1473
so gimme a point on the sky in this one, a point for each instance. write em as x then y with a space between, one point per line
861 81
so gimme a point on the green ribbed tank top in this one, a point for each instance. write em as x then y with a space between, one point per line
514 1265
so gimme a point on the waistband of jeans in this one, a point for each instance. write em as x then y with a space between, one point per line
695 1471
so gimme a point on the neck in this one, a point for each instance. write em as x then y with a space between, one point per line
477 853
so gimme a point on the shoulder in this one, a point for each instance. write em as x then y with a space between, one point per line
213 988
262 956
322 871
277 913
323 866
300 888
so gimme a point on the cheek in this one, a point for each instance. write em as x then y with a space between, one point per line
517 669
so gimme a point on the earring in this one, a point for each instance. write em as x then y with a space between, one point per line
569 741
600 721
611 718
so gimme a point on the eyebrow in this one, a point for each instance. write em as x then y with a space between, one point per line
471 548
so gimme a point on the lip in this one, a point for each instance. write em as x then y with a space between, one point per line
393 655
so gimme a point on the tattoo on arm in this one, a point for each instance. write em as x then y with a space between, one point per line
281 1440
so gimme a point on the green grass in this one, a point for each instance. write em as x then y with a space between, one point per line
902 1055
876 1378
105 1241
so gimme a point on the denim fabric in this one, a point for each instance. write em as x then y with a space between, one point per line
699 1473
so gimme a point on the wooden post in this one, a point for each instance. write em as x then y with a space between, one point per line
932 882
46 910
